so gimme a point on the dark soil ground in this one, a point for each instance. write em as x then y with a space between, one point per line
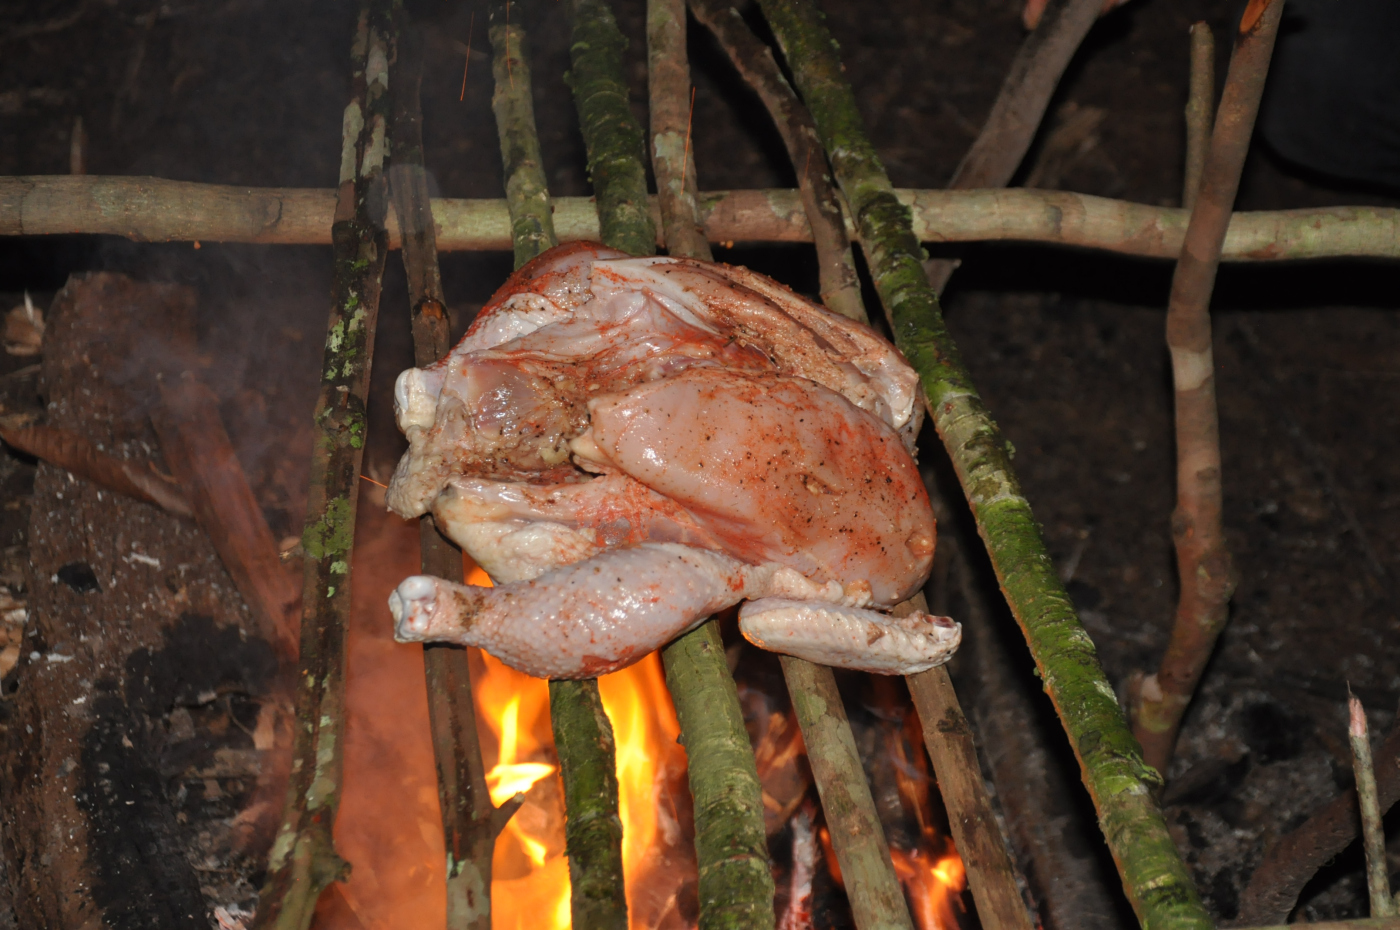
1066 347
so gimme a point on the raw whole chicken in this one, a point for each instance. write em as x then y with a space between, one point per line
628 445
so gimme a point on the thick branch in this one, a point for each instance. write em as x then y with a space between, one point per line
303 859
1156 880
582 733
468 826
1203 562
155 210
201 458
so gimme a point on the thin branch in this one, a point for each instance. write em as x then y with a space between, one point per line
1200 110
527 191
1203 562
155 210
990 872
1372 829
1154 877
736 882
840 287
668 93
583 735
613 138
856 832
468 817
303 860
736 887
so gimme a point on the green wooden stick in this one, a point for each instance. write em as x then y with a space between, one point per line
303 861
1121 785
583 735
736 883
527 192
613 138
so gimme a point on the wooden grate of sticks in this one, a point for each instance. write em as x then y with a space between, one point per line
844 197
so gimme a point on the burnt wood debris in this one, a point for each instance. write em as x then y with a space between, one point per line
177 697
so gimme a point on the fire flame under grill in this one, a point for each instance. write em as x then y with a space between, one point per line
389 826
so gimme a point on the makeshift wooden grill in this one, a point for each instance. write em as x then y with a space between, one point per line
844 197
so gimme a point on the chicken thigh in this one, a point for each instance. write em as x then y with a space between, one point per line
628 445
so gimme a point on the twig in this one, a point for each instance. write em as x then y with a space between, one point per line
155 210
612 136
1203 562
1200 110
1016 115
1274 887
464 800
583 735
202 459
1154 877
1372 829
736 886
303 860
74 453
840 287
668 86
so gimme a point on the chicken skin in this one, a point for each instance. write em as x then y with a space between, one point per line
627 445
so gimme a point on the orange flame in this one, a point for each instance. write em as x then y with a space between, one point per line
932 883
530 887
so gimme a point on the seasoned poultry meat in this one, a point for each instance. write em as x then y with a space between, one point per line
627 445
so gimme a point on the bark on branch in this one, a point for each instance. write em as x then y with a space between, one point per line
1154 877
156 210
303 859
